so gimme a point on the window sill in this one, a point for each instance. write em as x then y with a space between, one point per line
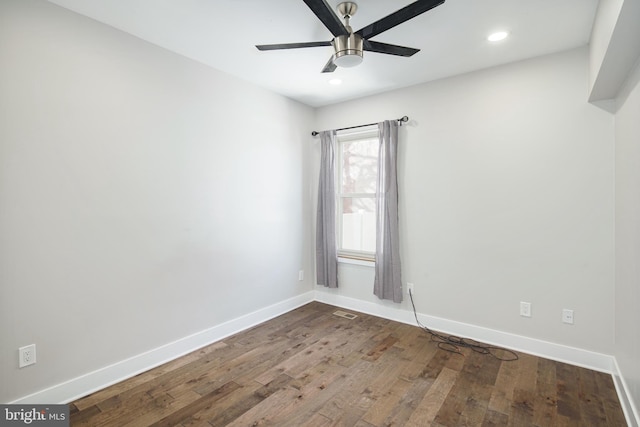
354 261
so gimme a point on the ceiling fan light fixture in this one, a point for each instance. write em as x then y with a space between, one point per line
348 50
347 59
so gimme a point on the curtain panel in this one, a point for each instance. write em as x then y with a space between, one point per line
387 282
326 244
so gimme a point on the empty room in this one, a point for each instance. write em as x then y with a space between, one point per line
322 213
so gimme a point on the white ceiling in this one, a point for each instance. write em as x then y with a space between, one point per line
452 38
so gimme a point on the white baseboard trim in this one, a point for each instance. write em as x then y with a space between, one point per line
630 410
93 381
561 353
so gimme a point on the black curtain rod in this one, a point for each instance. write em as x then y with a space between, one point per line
402 119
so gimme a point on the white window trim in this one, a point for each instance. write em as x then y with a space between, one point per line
346 256
356 261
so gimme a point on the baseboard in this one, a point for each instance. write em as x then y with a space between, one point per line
561 353
628 407
86 384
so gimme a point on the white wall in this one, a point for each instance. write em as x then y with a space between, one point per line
506 195
627 300
143 196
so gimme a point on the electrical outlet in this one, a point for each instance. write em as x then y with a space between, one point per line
27 355
410 289
301 275
525 309
567 316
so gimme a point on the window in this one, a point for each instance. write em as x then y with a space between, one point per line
356 181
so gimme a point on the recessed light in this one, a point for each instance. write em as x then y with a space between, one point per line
497 36
335 82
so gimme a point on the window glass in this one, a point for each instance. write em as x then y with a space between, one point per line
358 217
358 174
359 166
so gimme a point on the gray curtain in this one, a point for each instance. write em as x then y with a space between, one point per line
326 245
387 283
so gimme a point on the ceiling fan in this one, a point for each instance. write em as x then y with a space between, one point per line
349 45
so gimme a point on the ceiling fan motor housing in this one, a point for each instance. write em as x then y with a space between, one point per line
348 50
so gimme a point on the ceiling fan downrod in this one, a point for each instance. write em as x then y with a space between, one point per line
348 49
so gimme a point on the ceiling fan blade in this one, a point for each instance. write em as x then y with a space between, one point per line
324 13
390 49
291 45
330 67
398 17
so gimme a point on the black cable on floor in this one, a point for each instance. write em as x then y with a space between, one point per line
453 344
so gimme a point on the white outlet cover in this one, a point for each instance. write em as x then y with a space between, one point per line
410 288
567 316
26 355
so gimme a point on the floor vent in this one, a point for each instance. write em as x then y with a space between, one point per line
346 315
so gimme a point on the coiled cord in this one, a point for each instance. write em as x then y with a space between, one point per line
453 343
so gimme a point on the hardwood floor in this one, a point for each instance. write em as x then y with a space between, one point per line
312 368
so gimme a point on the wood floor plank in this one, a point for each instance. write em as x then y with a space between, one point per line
158 408
408 368
186 374
383 407
456 401
84 416
205 401
313 404
281 406
545 409
279 355
145 377
591 406
348 404
502 393
524 395
493 418
526 379
243 400
568 404
309 367
377 351
418 355
316 420
433 400
476 407
307 357
522 408
230 370
384 372
607 392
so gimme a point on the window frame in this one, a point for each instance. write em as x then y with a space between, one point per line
348 136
